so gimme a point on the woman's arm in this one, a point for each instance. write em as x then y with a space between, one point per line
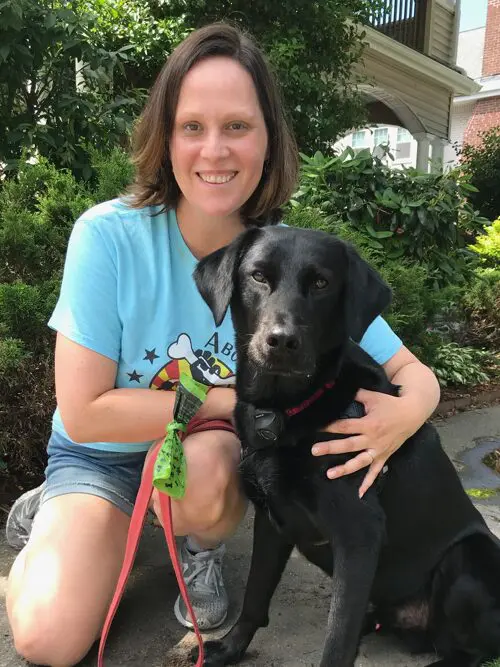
92 410
419 386
389 420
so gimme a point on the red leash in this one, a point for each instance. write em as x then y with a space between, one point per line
135 530
136 525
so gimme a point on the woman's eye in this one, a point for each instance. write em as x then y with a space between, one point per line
237 126
259 277
320 283
191 127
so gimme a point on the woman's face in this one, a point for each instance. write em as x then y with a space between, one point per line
219 140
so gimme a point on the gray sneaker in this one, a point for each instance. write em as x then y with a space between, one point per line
21 515
207 593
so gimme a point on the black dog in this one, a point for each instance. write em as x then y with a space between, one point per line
414 551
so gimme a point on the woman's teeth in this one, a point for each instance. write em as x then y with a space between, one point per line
217 178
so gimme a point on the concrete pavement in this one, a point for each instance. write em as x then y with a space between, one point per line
145 631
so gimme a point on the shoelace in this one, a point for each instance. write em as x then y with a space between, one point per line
211 579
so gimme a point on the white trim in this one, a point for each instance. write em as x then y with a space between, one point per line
482 95
458 83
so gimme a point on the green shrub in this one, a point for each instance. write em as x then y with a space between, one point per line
402 213
455 365
482 166
112 173
487 245
12 352
43 43
38 208
482 304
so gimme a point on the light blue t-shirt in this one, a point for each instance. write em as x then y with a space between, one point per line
128 294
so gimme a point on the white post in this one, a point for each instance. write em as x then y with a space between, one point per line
424 142
437 162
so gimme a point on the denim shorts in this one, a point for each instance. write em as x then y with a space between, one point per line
114 476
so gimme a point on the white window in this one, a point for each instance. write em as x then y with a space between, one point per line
403 135
403 145
359 139
381 136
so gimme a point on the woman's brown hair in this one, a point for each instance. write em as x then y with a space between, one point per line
154 181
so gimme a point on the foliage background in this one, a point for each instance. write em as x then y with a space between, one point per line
117 47
73 77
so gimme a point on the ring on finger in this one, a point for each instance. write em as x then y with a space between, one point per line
371 455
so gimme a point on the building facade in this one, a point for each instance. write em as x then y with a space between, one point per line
411 76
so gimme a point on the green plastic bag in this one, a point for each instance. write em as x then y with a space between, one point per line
170 472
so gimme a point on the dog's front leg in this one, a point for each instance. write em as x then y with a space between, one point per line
269 557
357 528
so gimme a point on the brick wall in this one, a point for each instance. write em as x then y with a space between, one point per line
486 115
491 57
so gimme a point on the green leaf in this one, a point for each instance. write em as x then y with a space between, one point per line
378 235
422 216
306 158
396 253
468 187
23 50
374 244
50 20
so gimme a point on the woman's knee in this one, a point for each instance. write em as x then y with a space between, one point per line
61 583
45 637
213 487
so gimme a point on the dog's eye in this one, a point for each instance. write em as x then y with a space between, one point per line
320 283
259 277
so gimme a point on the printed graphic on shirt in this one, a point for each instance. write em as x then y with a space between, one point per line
202 365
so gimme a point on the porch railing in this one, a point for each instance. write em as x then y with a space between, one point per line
402 20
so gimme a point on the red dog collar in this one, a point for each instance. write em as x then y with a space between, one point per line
309 401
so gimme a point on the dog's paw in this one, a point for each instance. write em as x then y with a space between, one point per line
217 654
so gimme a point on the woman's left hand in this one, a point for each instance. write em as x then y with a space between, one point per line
377 435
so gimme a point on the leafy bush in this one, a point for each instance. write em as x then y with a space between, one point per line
482 165
402 213
37 211
57 87
487 245
113 171
482 304
455 365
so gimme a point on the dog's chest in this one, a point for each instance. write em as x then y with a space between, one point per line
280 483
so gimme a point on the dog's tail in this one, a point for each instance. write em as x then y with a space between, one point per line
473 616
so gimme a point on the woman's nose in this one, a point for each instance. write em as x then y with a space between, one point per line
214 146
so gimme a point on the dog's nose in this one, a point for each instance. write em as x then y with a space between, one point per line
281 340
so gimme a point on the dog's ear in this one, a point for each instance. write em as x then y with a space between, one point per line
367 295
215 274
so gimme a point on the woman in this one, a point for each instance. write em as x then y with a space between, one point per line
213 154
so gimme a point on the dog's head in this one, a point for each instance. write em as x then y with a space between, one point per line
295 294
